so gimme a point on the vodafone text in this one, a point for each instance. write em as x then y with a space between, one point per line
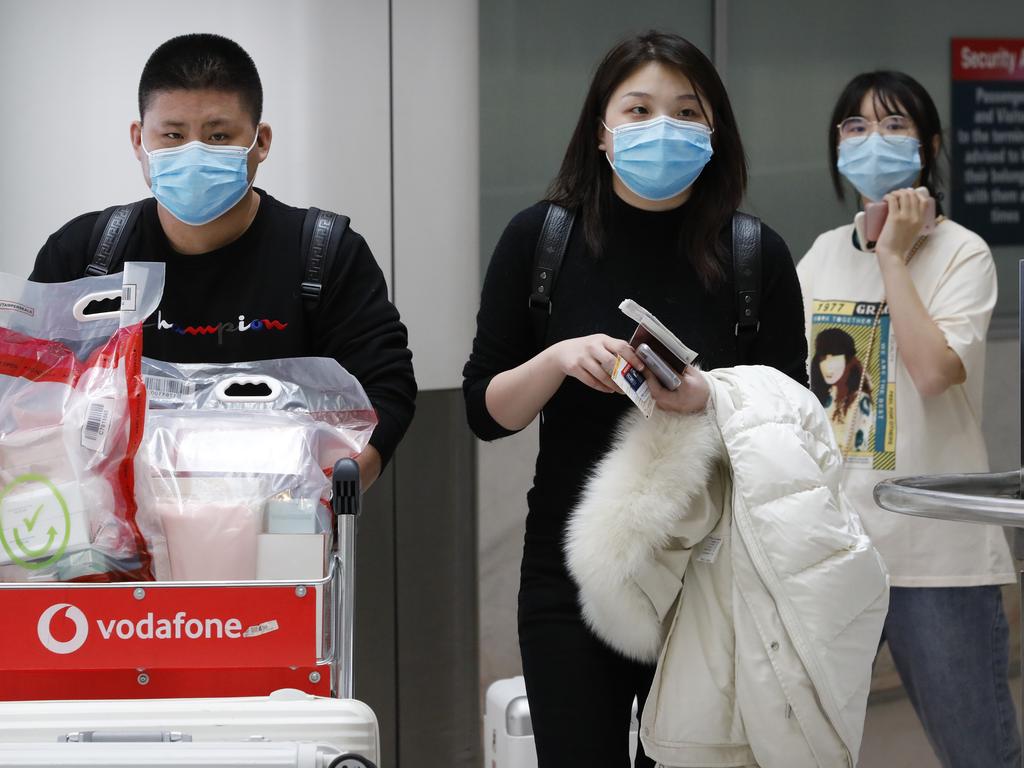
180 627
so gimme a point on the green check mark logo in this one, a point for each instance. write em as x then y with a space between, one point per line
20 553
30 523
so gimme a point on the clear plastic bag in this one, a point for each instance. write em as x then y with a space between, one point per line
72 406
234 476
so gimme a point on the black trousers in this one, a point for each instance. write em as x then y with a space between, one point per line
580 690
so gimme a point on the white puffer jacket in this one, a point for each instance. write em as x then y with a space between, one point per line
720 544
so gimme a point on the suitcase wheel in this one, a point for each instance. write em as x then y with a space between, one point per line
350 760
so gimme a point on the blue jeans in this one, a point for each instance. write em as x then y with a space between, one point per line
950 646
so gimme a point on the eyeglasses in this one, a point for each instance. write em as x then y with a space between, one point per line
859 128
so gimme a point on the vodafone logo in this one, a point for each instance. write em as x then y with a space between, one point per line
180 626
45 629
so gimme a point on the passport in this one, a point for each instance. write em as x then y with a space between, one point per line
658 337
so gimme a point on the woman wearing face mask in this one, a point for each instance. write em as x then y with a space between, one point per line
927 299
654 172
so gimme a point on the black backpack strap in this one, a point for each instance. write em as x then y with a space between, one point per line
321 236
113 224
746 258
547 259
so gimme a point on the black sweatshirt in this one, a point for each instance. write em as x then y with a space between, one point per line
641 262
242 302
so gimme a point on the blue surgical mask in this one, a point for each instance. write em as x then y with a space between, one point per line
660 158
877 166
198 182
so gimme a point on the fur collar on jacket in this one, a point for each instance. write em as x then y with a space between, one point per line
629 512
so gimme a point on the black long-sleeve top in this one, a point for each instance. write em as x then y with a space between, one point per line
242 302
641 262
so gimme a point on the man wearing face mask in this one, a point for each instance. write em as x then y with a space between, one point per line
237 284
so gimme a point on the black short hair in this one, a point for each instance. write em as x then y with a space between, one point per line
894 93
198 62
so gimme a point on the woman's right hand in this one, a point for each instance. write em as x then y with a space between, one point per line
591 359
902 226
515 397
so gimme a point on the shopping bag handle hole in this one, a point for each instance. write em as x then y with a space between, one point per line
238 391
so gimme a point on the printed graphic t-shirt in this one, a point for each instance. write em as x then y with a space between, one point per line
242 302
882 424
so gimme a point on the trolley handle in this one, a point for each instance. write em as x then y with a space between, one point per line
346 490
345 501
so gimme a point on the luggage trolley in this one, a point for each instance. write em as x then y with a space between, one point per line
188 673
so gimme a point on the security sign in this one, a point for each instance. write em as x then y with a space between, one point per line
988 137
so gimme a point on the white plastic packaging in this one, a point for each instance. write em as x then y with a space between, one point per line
236 451
72 406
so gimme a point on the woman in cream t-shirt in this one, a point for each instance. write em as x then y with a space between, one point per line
916 312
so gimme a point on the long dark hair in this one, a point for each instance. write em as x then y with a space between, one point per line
894 93
834 341
584 182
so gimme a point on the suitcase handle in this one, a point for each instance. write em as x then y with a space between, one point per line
118 737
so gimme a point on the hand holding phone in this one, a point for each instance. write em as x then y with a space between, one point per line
668 378
875 215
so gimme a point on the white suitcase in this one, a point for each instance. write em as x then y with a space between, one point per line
508 730
288 728
176 756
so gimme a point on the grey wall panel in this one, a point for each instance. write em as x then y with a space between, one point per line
505 470
436 550
416 652
376 679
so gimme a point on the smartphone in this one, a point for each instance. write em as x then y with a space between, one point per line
875 215
668 378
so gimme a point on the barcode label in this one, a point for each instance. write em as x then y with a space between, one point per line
129 293
163 389
97 424
709 552
261 629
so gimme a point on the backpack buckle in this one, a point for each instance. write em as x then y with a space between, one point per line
311 290
533 303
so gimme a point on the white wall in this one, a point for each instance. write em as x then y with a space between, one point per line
437 182
69 74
